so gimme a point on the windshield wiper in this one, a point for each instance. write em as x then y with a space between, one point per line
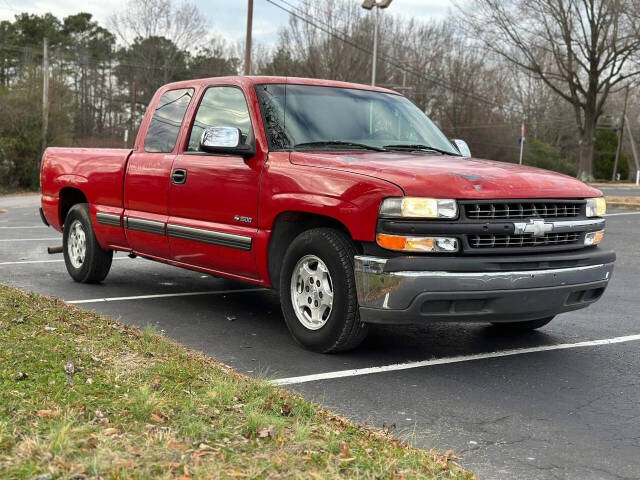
417 147
338 143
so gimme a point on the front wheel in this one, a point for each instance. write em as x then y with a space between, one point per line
526 326
318 292
84 258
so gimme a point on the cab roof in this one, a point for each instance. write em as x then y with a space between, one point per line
260 80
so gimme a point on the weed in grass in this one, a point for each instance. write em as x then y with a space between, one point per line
302 431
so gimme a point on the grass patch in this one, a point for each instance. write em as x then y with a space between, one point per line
13 191
625 203
82 396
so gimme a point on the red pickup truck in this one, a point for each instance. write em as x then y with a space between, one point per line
345 198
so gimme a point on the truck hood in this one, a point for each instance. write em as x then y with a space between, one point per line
451 177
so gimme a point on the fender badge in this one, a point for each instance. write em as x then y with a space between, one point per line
240 218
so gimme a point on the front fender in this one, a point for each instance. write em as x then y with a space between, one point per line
352 199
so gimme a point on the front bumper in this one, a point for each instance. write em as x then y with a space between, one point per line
516 288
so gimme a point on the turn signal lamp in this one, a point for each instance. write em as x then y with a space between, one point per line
593 238
402 243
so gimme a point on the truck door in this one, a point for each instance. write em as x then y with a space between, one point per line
214 197
148 178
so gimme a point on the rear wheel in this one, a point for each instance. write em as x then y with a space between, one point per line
523 326
318 292
84 258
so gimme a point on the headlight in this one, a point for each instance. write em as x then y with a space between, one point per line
414 207
596 207
404 243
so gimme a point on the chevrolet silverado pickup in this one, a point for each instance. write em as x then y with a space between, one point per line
346 199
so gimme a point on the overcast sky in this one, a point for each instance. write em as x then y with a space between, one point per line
227 17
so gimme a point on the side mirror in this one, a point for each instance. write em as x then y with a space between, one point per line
462 147
225 140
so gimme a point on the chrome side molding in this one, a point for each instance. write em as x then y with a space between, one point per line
147 226
109 219
231 240
212 237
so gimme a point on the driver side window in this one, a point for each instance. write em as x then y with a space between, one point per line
220 107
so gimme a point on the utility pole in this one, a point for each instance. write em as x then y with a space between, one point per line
247 46
45 93
134 100
620 135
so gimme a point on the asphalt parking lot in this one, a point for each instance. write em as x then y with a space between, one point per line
621 191
567 408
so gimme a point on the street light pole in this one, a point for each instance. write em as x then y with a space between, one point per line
370 5
375 49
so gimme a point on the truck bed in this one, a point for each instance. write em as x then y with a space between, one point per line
97 172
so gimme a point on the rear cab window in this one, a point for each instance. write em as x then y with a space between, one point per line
166 121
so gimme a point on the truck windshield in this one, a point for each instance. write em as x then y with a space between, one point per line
327 118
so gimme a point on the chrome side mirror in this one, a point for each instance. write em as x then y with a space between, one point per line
220 137
462 147
225 140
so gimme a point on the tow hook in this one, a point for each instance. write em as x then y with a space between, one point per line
53 250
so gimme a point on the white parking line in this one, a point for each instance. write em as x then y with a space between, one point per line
164 295
32 226
29 239
26 262
621 213
442 361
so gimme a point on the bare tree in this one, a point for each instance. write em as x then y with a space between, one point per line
584 50
181 23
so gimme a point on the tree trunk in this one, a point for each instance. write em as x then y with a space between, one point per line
585 165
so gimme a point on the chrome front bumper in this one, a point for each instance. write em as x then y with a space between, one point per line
415 296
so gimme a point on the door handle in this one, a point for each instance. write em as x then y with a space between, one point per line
179 176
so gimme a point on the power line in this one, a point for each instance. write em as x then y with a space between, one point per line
301 14
9 5
388 59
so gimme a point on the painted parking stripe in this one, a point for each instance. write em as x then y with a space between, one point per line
164 295
621 213
29 239
442 361
58 260
30 226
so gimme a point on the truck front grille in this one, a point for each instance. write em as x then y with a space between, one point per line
487 227
522 241
512 210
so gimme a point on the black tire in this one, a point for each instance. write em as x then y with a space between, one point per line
343 329
525 326
97 262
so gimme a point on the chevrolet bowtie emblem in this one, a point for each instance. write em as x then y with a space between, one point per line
535 226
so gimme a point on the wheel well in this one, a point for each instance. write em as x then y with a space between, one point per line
69 197
289 225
